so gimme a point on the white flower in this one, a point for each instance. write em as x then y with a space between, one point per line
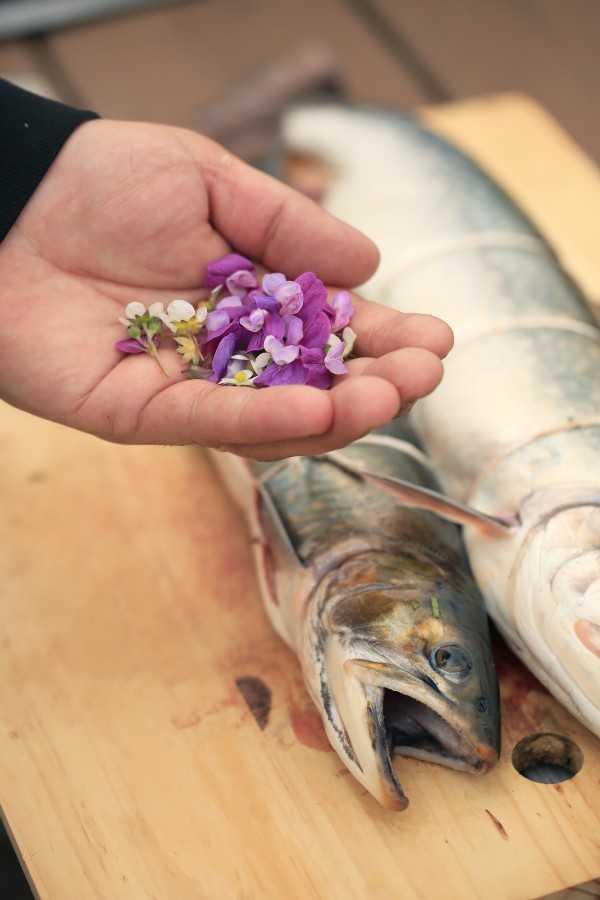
261 362
134 309
245 369
242 378
349 337
182 318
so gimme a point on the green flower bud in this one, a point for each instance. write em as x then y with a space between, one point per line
154 326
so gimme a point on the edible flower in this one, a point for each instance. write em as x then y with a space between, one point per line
281 331
143 327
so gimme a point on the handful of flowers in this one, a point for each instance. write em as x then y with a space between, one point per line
281 332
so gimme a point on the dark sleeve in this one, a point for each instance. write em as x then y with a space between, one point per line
32 131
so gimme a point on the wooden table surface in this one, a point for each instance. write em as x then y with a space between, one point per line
134 762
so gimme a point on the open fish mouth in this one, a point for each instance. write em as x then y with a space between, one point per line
401 724
414 729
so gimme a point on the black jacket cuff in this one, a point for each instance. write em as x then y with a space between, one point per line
32 132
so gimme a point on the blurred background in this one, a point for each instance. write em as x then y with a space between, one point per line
228 68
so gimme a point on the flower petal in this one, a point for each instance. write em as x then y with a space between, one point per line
134 309
271 282
241 281
222 355
179 310
218 271
294 373
290 295
281 353
343 309
315 294
130 346
317 328
216 320
295 330
255 321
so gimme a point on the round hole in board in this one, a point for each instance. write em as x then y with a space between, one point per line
547 758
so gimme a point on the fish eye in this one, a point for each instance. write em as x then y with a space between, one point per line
483 706
451 660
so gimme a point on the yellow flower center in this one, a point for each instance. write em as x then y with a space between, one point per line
187 326
241 376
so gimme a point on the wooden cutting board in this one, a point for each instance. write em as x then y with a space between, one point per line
156 740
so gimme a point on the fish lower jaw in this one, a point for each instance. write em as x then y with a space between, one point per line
415 730
476 766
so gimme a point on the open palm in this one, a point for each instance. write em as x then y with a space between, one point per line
136 212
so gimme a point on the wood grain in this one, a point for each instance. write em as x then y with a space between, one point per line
137 762
165 65
533 46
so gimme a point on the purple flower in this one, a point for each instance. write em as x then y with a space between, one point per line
313 361
315 294
282 354
255 300
271 282
241 281
216 322
343 309
137 345
292 373
333 359
273 326
254 321
230 302
222 356
218 271
221 323
290 296
294 329
289 324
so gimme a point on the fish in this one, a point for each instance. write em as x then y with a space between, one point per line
513 430
377 601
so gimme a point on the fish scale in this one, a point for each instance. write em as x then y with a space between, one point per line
514 428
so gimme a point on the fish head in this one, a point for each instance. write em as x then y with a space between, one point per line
554 595
408 669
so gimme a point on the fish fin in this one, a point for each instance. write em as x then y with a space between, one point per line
423 498
275 531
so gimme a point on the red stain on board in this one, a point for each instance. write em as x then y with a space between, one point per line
526 705
187 720
308 727
276 680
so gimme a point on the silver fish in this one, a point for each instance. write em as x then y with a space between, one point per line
514 429
377 601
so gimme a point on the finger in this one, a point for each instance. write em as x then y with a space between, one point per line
359 405
380 330
136 404
272 223
413 372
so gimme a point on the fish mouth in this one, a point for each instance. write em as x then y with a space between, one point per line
400 722
412 728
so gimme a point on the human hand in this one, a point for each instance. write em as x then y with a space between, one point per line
136 212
